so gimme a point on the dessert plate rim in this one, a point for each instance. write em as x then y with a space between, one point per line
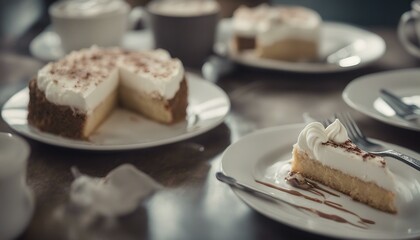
347 33
274 144
208 107
363 94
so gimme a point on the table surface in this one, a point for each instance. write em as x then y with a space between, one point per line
194 205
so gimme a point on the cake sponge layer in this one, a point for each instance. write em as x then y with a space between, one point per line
365 192
289 50
153 106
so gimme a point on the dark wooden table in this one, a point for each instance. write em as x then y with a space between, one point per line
194 205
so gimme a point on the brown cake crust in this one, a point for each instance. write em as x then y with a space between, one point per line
52 118
240 43
179 103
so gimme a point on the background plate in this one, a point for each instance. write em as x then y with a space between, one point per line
362 94
333 36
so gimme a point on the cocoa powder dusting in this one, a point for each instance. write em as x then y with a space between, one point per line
348 146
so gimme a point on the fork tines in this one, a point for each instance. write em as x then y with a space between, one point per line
351 126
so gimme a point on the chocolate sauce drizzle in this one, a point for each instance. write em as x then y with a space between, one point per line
298 181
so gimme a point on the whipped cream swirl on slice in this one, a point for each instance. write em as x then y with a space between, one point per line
332 147
337 132
311 137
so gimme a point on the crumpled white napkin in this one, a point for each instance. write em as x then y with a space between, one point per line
117 194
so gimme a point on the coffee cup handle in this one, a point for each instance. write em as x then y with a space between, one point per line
136 15
402 33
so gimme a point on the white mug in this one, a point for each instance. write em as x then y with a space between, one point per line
16 200
83 23
412 15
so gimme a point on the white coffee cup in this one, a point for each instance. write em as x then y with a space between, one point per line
83 23
16 201
414 16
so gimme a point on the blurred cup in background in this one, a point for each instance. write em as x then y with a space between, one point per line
185 28
16 199
83 23
404 34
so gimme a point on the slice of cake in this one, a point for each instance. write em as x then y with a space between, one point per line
154 85
73 96
289 33
328 156
245 26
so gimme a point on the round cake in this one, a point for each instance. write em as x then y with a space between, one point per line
73 96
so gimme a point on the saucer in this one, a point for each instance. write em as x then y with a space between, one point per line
47 45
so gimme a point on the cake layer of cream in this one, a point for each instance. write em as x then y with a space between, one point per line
246 20
313 141
289 22
153 72
84 78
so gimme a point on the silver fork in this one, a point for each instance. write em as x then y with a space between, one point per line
358 138
405 111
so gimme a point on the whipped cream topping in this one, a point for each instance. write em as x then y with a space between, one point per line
246 20
289 22
332 147
83 79
152 72
87 8
184 8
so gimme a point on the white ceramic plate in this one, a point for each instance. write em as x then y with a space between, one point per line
264 155
362 94
333 37
47 45
208 106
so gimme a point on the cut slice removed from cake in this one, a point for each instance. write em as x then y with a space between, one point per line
328 156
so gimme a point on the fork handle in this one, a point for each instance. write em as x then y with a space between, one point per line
402 157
